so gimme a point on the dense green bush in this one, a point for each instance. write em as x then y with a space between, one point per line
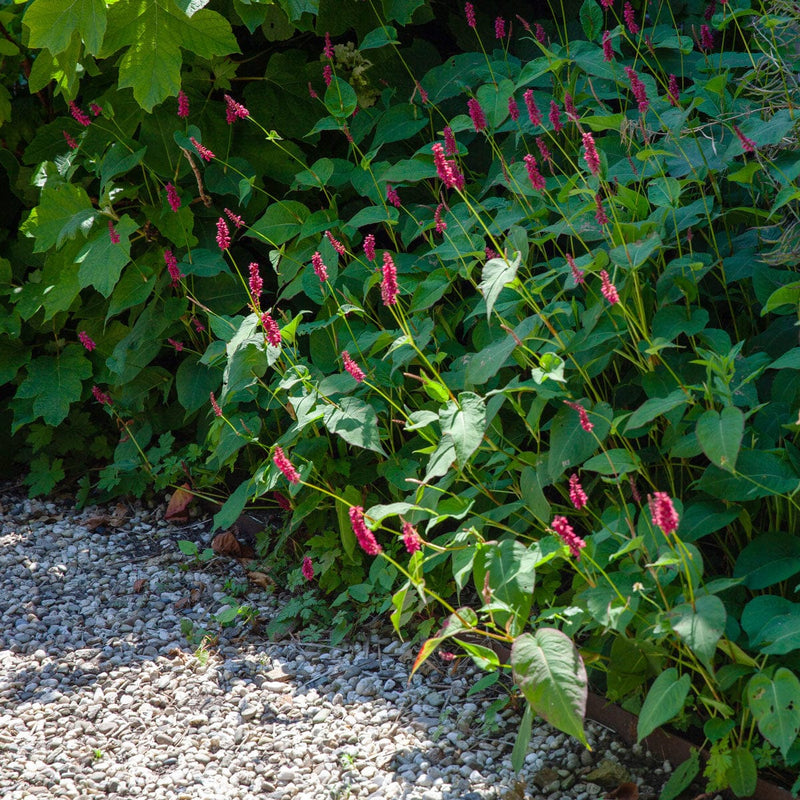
520 322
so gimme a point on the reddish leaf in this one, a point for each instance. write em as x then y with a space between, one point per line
176 509
138 585
625 791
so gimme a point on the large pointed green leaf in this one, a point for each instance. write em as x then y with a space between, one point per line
63 210
356 422
701 625
102 261
758 474
52 22
550 672
465 424
570 444
154 32
55 382
497 272
769 559
742 774
720 436
775 705
663 702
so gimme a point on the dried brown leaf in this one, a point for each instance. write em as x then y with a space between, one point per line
625 791
138 585
178 503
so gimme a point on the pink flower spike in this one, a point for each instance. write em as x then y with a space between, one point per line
423 95
578 274
706 38
215 405
101 397
543 149
172 197
234 110
577 496
450 146
536 177
327 74
319 267
256 283
392 196
272 330
490 253
198 326
555 116
172 267
630 19
183 104
663 512
205 153
441 225
673 92
748 145
366 538
476 115
564 530
327 50
600 213
710 9
311 93
95 109
499 28
541 34
223 234
534 114
569 107
79 115
638 89
411 538
608 49
86 341
234 218
285 466
469 13
607 3
608 289
307 569
525 24
369 247
177 345
446 169
389 287
112 233
583 417
71 143
335 243
513 109
590 154
355 371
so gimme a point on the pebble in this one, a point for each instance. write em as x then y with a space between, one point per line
101 694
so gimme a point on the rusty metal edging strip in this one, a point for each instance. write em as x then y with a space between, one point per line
662 744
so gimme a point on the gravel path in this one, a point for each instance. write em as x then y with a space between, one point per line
101 695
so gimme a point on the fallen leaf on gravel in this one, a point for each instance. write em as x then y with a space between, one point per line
93 523
117 519
625 791
261 579
176 508
226 544
138 585
185 602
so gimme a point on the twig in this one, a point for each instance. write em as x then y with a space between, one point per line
198 177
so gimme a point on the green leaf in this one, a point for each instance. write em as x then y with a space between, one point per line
497 272
205 263
117 161
63 210
464 619
154 32
280 222
55 382
758 474
613 462
570 444
655 407
102 261
52 23
187 547
44 475
742 774
664 192
663 702
720 436
550 672
379 37
356 422
340 98
775 706
533 496
233 506
634 254
681 778
398 123
464 422
13 355
194 382
701 626
134 287
401 11
769 559
591 17
523 739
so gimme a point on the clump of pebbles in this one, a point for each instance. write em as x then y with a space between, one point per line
101 694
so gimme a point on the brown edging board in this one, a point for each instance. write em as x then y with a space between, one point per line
662 744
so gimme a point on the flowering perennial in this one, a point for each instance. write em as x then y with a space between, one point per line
608 50
544 150
555 116
183 104
355 371
577 496
389 287
577 273
569 107
450 145
205 153
476 115
112 233
172 197
366 538
748 145
234 110
583 417
630 19
79 115
307 569
447 169
441 225
223 234
272 330
335 243
600 214
319 266
172 267
255 282
215 405
469 13
638 89
234 218
536 177
285 466
673 92
534 114
663 512
101 397
499 28
608 289
327 74
411 538
86 341
369 247
327 50
513 109
562 527
392 196
590 154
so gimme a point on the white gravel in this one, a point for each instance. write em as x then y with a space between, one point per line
102 696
